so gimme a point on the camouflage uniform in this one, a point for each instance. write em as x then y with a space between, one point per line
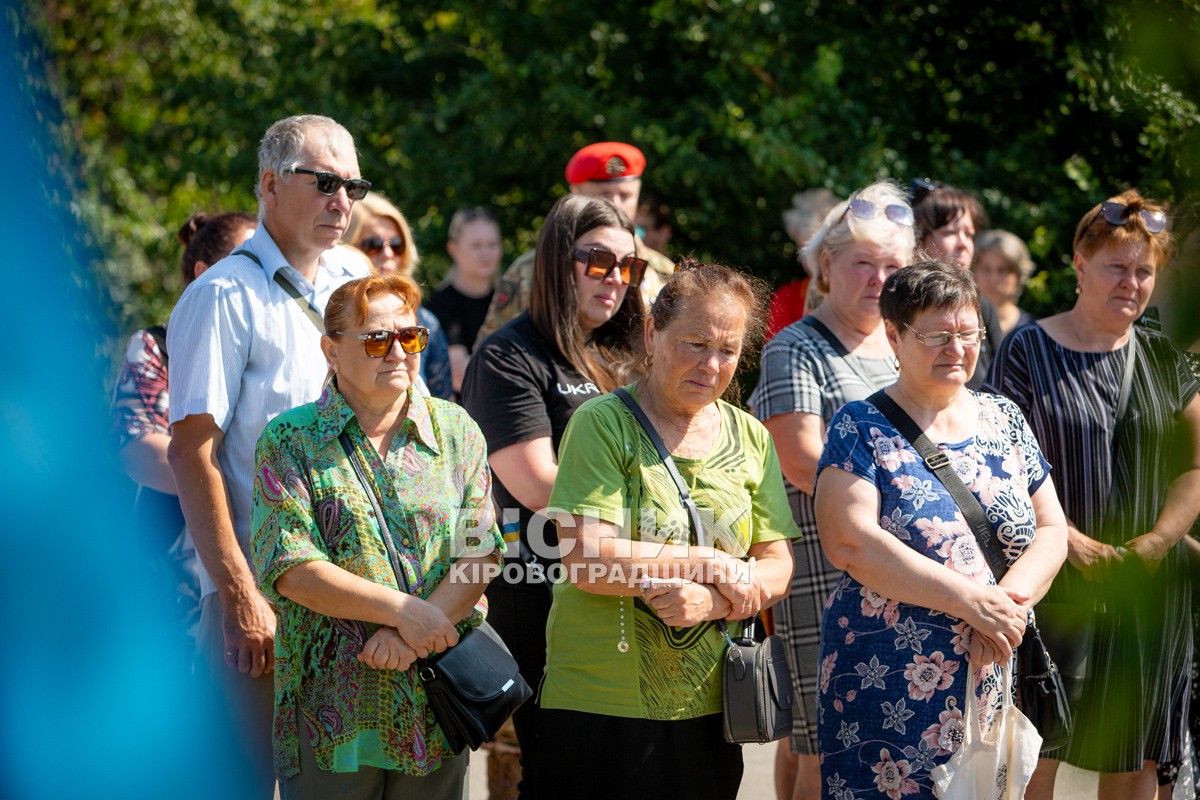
512 295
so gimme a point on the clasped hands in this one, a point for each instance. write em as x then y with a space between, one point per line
421 630
734 593
1093 558
997 624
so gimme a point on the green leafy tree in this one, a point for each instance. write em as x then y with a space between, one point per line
1043 110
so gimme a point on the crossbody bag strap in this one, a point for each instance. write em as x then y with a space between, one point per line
1131 350
1131 356
385 532
939 463
306 306
689 504
827 335
834 342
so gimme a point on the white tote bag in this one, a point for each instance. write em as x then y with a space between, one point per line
992 765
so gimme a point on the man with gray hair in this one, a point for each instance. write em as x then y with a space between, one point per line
245 346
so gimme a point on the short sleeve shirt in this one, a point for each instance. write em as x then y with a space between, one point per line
140 401
434 488
244 352
519 387
894 675
609 469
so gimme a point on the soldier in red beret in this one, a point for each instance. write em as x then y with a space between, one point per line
612 170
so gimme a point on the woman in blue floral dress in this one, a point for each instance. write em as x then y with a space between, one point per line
918 601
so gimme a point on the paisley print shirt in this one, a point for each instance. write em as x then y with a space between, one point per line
434 487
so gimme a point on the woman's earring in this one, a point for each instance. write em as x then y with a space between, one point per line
648 362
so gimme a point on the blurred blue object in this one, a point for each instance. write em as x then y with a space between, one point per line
96 700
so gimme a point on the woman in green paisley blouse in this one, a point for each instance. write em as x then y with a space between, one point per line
351 717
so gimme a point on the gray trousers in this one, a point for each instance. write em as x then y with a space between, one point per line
448 782
247 710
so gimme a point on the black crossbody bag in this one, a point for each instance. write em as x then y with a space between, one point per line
475 685
1040 690
757 684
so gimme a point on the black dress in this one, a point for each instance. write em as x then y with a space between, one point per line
1135 697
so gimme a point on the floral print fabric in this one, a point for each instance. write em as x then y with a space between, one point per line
139 401
893 675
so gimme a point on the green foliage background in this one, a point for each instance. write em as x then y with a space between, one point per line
1043 109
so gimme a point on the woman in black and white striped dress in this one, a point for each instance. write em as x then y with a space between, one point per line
1128 497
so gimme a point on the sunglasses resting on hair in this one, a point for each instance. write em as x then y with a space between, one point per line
924 185
378 344
1117 215
865 209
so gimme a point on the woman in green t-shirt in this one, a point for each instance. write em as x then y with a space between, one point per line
631 699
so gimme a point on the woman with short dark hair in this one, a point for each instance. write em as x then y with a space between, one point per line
919 609
947 219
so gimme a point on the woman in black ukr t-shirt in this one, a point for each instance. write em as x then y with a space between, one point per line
581 337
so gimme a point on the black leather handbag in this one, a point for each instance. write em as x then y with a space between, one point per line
757 686
474 686
1040 691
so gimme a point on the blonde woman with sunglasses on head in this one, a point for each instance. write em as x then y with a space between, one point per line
837 353
351 716
1114 407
